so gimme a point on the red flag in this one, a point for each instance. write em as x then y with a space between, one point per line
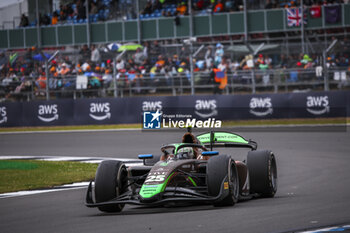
315 12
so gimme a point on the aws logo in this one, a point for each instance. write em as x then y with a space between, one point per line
260 106
3 115
206 108
100 111
48 113
317 105
152 106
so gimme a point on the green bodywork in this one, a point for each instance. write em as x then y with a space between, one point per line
148 191
222 137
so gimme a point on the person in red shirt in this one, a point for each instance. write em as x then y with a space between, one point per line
219 7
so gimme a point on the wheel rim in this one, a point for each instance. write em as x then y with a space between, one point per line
233 181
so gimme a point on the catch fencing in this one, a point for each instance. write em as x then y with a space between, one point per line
128 85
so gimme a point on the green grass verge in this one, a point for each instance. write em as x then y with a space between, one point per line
225 124
17 175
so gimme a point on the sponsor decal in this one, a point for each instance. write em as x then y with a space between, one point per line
3 115
155 177
225 185
100 111
48 112
317 105
206 108
152 106
260 106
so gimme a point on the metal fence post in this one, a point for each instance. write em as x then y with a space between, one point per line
253 81
47 80
115 92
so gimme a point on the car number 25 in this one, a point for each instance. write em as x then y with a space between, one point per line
155 178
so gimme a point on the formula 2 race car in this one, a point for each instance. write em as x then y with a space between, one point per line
186 172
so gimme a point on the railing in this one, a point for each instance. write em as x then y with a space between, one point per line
249 81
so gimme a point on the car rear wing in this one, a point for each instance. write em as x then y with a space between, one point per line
225 139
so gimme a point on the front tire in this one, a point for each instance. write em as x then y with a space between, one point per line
110 182
262 173
219 168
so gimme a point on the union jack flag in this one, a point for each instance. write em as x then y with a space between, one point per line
294 17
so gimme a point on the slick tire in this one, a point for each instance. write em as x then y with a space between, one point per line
262 173
110 182
221 169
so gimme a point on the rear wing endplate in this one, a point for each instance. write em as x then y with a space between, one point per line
225 139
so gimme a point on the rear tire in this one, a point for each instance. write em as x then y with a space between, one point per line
262 173
110 182
218 168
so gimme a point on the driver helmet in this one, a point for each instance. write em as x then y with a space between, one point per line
186 153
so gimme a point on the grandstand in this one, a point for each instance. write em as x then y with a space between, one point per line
131 48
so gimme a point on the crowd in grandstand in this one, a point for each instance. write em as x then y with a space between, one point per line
145 66
101 10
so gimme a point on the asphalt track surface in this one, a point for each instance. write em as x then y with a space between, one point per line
313 186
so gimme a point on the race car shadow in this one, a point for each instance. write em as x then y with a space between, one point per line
132 210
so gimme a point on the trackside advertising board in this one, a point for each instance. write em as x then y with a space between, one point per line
201 108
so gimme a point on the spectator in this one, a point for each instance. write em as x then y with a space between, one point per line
120 64
139 56
85 52
219 7
148 8
209 56
64 69
156 5
24 21
95 54
44 19
54 19
219 53
269 4
182 8
81 11
65 11
3 60
93 8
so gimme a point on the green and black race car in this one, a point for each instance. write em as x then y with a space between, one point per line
186 172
